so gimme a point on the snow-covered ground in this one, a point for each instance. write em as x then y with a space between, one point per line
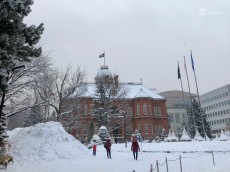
48 148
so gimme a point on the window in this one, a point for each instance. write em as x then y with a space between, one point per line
171 118
150 109
85 109
145 109
146 129
129 130
129 111
183 117
158 129
139 128
138 110
177 116
152 129
157 111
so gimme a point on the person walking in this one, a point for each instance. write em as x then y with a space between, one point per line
135 148
108 148
94 149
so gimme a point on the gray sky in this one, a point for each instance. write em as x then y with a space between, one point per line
141 39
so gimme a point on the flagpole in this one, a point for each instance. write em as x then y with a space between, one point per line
104 58
198 96
181 87
194 121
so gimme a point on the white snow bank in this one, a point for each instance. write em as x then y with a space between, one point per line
45 142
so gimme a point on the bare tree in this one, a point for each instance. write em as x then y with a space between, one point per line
58 89
21 96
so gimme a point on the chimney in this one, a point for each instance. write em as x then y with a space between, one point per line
116 81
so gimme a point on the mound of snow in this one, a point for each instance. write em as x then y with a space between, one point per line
45 141
185 136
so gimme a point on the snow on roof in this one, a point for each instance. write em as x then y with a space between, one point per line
103 72
134 90
140 91
102 128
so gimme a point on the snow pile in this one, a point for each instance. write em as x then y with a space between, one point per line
198 136
45 142
185 136
171 137
223 136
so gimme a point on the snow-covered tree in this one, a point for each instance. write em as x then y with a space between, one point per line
35 114
102 103
191 127
22 98
103 133
199 113
108 103
61 91
17 45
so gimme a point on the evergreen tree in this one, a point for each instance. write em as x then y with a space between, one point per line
91 129
191 127
17 45
102 102
103 133
17 40
199 113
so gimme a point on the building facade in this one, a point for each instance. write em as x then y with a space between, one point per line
144 110
217 106
176 111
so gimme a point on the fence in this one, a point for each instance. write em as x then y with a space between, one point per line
156 167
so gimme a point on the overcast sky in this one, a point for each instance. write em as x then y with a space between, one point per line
141 39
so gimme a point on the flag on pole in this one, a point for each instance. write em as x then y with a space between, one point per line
185 67
178 72
102 55
192 62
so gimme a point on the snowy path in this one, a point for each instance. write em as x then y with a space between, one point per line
124 162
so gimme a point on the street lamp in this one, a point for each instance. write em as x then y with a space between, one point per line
124 113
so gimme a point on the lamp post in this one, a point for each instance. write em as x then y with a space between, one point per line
9 75
125 134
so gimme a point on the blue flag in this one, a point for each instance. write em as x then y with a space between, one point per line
193 68
102 55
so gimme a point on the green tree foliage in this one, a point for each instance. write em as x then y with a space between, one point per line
102 104
17 40
199 113
17 45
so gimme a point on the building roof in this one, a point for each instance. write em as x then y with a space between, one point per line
133 90
103 72
174 96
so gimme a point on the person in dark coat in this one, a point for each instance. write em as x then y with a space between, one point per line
108 148
135 148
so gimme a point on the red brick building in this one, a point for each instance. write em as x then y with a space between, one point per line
145 109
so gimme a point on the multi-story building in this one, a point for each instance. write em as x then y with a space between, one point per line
145 109
217 106
177 114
